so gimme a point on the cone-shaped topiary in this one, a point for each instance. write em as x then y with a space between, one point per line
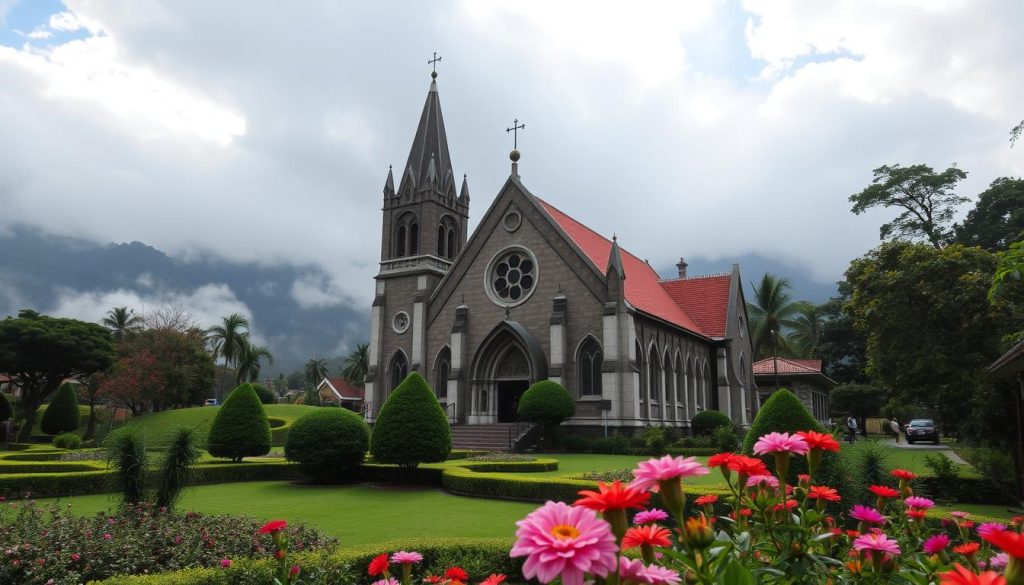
6 411
328 443
411 427
546 403
241 428
781 413
62 414
266 396
705 423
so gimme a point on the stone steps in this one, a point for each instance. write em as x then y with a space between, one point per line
491 437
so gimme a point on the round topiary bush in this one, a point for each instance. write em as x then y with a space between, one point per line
546 403
67 441
62 414
241 428
705 423
411 427
266 396
6 411
781 413
328 444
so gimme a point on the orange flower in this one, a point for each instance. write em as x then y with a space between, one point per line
614 496
649 534
1008 541
747 465
902 474
823 492
705 500
493 579
820 441
917 514
884 491
961 576
720 460
967 548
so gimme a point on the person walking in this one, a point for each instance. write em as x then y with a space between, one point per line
851 427
895 427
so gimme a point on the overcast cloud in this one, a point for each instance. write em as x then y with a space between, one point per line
262 131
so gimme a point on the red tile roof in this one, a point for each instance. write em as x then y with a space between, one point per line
787 366
346 390
680 302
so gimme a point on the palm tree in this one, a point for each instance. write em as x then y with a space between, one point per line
806 333
771 313
357 364
229 338
249 361
316 370
121 321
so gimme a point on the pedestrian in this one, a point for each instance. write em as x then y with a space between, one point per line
851 427
895 426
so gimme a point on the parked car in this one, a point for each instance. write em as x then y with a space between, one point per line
922 429
212 402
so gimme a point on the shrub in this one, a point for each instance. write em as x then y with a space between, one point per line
126 451
654 440
547 404
573 443
705 423
698 442
265 395
67 441
411 428
615 445
6 411
62 414
994 465
725 438
177 467
328 443
781 413
864 464
241 428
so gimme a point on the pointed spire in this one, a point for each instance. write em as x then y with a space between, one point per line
389 184
429 154
464 193
615 260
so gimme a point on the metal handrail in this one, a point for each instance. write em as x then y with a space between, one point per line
516 431
449 411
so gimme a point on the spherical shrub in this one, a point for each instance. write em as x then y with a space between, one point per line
328 443
412 427
62 414
67 441
6 411
705 423
546 403
781 413
266 396
241 428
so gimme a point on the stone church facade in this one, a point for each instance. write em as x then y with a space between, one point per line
534 294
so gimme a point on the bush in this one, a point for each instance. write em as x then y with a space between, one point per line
6 411
177 467
411 428
698 442
126 452
864 464
654 441
994 465
266 396
547 404
62 414
241 428
67 441
328 443
615 445
704 423
573 443
725 438
781 413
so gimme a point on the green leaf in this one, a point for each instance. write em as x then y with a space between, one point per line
736 574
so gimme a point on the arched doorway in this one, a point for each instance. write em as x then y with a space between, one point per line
507 362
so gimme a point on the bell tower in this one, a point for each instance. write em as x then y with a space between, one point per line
424 228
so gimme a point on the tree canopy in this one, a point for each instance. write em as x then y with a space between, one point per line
771 311
997 219
357 364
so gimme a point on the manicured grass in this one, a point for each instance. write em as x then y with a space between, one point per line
159 425
354 514
913 460
1005 512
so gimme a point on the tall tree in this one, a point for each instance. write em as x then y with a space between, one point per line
228 338
121 321
843 349
926 198
39 352
808 324
997 219
357 364
316 370
771 312
249 361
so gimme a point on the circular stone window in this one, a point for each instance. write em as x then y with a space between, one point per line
401 322
512 276
512 221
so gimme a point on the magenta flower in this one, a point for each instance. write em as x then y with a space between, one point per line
107 536
960 515
781 443
406 558
386 581
877 541
75 557
649 473
919 502
998 561
632 570
768 480
935 544
986 528
225 563
559 540
650 516
658 575
866 514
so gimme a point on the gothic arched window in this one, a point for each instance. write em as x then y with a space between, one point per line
451 243
643 375
442 236
654 374
400 241
414 239
681 388
399 369
442 368
589 366
407 235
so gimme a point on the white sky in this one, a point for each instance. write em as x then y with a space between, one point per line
262 130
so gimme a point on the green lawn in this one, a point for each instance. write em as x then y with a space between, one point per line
159 425
354 514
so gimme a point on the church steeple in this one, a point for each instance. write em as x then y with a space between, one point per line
429 157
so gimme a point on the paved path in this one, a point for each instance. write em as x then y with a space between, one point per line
941 448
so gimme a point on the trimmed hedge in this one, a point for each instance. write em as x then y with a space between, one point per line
328 443
61 415
241 428
781 413
411 428
705 422
49 467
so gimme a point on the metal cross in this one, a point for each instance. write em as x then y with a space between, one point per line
516 127
434 61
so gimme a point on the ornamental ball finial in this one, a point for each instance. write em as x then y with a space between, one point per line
433 74
514 155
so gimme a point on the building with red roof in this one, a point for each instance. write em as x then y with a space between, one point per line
803 377
340 392
535 294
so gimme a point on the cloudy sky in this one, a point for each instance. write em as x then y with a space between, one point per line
259 131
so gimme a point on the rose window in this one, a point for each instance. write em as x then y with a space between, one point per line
512 277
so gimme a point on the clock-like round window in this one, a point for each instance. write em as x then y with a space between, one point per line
400 323
512 276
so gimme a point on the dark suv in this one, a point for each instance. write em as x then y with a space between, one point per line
922 429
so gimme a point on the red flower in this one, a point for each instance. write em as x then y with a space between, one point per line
821 441
434 579
1010 542
790 504
649 534
456 573
705 500
824 493
493 579
961 576
967 548
746 512
902 474
884 491
967 524
614 496
273 526
917 514
853 534
720 460
747 465
378 565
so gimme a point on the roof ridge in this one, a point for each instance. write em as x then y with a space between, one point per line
698 277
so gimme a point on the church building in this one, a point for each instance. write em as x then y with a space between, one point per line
535 294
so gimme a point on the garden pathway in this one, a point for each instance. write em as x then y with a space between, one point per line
941 448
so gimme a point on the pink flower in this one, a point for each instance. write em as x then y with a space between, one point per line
998 561
866 514
387 581
107 536
225 563
75 557
649 516
986 528
769 480
649 473
935 544
960 515
919 502
781 443
657 575
566 541
632 570
406 558
877 541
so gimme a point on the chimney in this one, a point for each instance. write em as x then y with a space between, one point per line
682 267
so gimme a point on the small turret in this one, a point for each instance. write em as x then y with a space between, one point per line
464 193
615 261
389 184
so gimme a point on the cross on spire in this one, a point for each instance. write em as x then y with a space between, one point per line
516 127
433 63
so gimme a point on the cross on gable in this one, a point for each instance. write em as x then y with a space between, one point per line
433 63
516 127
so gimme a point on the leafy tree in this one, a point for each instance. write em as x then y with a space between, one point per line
927 200
411 427
705 422
857 400
843 349
229 338
357 364
249 361
316 371
546 403
89 388
241 428
62 414
808 324
121 321
997 219
1007 288
39 352
1016 133
133 381
771 312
